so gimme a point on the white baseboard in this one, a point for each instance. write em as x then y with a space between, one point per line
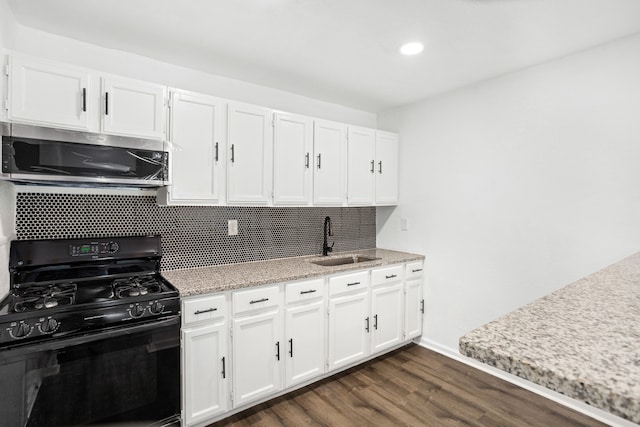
595 413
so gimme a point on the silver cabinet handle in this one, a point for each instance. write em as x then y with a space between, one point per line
258 300
205 311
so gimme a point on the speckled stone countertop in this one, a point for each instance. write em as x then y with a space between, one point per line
203 280
582 340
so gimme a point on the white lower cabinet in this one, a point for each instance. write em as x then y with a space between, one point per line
205 360
286 335
305 331
349 326
387 317
414 301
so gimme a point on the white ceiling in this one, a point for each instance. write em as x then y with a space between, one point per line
342 51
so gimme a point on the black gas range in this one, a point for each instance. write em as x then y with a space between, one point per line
90 329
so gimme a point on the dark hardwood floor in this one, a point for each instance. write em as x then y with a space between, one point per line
411 386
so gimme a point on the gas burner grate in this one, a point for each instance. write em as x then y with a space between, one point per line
135 287
40 297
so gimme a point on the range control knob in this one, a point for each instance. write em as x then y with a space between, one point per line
156 307
137 310
49 326
112 247
22 330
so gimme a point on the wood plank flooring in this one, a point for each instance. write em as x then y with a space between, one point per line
411 386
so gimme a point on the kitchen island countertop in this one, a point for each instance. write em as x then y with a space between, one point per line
582 340
219 278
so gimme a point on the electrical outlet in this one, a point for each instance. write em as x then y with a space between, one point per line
233 227
404 224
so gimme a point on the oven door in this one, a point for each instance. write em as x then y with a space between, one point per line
122 377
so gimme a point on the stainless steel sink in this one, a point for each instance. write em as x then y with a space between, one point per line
352 259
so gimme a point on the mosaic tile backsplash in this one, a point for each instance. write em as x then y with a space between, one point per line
194 236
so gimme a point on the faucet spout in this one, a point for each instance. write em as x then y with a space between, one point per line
327 232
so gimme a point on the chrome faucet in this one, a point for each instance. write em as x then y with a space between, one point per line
327 232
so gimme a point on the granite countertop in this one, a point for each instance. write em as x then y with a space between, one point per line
218 278
582 340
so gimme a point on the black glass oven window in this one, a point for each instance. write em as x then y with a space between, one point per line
117 381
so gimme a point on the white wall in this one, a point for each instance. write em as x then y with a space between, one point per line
45 45
519 185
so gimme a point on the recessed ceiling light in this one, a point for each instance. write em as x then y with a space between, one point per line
412 48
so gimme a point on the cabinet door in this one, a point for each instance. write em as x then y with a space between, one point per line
349 329
360 166
257 354
330 149
387 316
250 139
292 152
414 308
204 381
306 342
196 148
386 168
133 108
48 93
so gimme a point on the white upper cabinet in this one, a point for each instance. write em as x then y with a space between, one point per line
54 94
133 108
292 160
386 168
330 149
196 149
361 166
48 93
250 145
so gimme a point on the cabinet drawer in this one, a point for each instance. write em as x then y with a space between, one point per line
384 275
255 298
414 269
203 308
348 282
302 291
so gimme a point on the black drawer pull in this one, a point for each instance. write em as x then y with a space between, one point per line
353 284
204 311
310 291
416 270
258 300
391 276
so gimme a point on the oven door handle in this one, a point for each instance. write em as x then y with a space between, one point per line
70 339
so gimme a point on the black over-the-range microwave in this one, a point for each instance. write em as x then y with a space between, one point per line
36 154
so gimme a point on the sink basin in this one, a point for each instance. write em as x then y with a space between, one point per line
353 259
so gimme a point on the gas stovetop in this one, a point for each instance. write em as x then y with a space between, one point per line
63 287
